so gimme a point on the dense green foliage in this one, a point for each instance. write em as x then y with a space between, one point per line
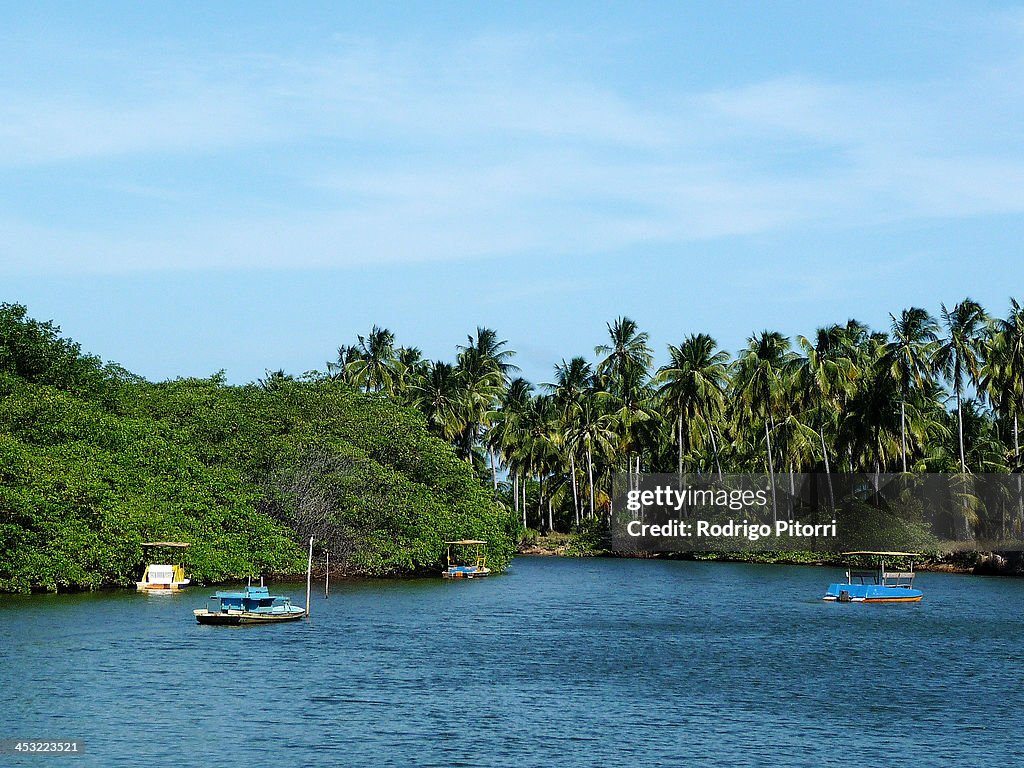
94 461
386 454
928 395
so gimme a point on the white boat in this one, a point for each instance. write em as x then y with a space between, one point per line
161 577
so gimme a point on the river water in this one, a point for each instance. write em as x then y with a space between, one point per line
559 662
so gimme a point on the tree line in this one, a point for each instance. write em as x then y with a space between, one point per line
931 393
94 461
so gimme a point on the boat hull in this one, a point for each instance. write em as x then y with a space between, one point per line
236 618
173 587
871 593
466 573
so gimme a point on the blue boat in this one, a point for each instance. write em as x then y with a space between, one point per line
253 605
877 585
475 570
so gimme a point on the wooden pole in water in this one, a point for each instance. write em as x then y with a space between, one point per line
327 576
309 575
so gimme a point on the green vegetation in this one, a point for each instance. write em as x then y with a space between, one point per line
385 455
930 395
94 461
927 396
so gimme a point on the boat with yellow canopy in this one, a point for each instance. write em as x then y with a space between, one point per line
458 568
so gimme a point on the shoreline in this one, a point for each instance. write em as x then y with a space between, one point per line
977 563
562 545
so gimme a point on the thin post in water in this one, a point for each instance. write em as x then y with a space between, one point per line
327 575
309 575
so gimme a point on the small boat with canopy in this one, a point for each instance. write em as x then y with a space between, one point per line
877 585
466 560
251 605
164 577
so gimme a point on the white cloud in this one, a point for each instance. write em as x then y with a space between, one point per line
487 151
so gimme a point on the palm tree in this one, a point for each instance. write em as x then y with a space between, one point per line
693 385
628 349
489 347
870 427
274 380
540 443
623 373
506 436
958 356
864 348
341 368
592 435
823 379
758 382
409 366
1003 381
484 366
573 381
374 367
439 396
1003 372
915 337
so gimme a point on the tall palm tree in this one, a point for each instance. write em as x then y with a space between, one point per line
1003 381
693 386
628 349
573 381
341 368
374 366
870 427
593 436
409 367
758 383
439 396
958 356
823 379
623 373
489 347
507 437
915 336
864 348
540 443
1003 372
484 366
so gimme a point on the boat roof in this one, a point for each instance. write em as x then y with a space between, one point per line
181 544
890 554
466 541
246 592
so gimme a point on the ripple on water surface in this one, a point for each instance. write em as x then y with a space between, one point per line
566 662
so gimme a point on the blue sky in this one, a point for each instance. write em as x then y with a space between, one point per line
191 187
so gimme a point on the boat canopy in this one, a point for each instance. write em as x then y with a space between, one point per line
466 542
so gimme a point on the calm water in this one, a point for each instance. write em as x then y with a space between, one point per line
558 663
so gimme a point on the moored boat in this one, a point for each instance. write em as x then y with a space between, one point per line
472 570
876 585
161 577
252 605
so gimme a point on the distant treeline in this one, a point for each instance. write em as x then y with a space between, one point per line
929 394
95 460
384 455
